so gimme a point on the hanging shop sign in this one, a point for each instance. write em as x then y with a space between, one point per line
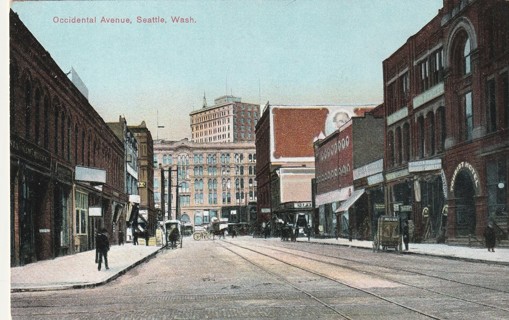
95 212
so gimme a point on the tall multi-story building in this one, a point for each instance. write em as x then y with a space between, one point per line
446 94
197 181
286 161
146 174
228 120
67 177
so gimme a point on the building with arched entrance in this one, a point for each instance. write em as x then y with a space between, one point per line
446 94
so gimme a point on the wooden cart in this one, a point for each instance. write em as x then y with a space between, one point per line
387 234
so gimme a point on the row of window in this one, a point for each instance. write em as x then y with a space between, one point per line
429 135
427 73
212 158
49 124
225 170
212 184
185 200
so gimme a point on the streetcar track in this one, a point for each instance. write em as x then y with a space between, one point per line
320 275
395 268
288 282
380 275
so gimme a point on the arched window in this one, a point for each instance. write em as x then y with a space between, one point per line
37 113
468 119
62 133
83 147
55 130
76 143
406 142
421 137
467 67
28 108
398 146
390 143
46 122
440 122
69 139
431 133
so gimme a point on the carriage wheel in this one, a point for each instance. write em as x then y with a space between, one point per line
197 236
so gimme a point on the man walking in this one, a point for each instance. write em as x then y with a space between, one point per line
103 246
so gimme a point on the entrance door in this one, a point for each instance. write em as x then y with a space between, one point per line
465 205
26 222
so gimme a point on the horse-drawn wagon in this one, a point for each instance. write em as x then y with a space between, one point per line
173 233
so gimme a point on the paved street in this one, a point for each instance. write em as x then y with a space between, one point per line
253 278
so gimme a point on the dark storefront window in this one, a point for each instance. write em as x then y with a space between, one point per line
81 212
402 197
433 201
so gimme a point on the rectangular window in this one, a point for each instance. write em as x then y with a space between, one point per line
469 117
505 97
81 212
491 107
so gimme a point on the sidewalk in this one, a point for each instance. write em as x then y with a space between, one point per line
78 270
500 256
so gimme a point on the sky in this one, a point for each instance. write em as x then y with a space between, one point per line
292 52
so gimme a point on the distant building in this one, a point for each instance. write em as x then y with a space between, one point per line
130 167
146 169
228 120
446 96
207 177
286 161
67 177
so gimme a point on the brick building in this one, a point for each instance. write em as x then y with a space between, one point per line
286 162
146 174
345 207
228 120
66 164
446 94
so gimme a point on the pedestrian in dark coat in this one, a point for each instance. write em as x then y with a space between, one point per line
97 233
135 237
147 237
103 246
406 235
120 237
490 238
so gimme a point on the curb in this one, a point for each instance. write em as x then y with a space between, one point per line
89 285
501 263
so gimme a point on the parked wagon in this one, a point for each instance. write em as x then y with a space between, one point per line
173 233
387 234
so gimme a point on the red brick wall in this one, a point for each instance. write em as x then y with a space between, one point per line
295 129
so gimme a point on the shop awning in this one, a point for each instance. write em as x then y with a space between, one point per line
350 201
